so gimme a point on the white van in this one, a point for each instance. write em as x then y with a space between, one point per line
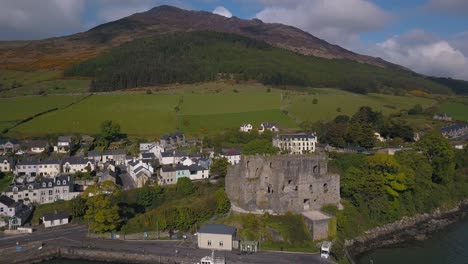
325 249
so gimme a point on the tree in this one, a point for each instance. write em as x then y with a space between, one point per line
110 130
219 167
105 187
416 110
315 101
102 215
223 205
145 196
440 154
185 186
78 206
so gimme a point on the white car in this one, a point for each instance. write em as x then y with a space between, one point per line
325 249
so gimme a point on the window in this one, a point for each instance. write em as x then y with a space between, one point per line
209 242
43 184
58 182
1 209
221 243
50 184
51 192
64 182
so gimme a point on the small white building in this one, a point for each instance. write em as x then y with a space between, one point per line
273 127
55 219
232 155
36 146
246 128
140 172
6 164
198 172
172 157
77 164
64 144
216 237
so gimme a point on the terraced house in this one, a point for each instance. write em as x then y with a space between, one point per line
8 146
77 164
38 167
299 143
47 190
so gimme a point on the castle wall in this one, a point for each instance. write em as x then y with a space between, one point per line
282 183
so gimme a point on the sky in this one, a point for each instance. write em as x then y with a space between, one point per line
427 36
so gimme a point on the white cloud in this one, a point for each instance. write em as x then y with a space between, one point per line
424 53
222 11
23 19
336 21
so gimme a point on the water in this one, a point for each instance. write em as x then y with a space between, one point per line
448 246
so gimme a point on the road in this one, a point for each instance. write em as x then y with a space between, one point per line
76 237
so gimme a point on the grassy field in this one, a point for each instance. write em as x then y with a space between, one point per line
17 109
39 82
301 106
458 111
196 109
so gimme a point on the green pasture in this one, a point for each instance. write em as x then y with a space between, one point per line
458 111
19 108
59 86
301 106
8 77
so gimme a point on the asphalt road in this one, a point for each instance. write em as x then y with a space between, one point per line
76 237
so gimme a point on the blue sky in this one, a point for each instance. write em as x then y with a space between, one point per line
428 36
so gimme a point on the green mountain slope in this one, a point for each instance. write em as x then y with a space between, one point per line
204 56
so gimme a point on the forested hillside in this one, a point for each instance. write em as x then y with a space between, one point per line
205 56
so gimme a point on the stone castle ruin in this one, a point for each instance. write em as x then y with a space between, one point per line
281 184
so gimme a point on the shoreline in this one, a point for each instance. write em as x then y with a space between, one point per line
419 227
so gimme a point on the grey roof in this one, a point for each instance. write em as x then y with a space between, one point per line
454 127
12 141
75 160
172 135
94 153
195 167
9 160
173 154
36 144
133 163
180 167
167 168
298 135
115 152
231 152
217 229
38 184
56 216
269 125
65 139
29 161
6 200
148 155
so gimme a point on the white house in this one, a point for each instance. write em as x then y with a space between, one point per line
198 172
77 164
443 117
117 155
172 157
94 156
216 237
64 144
379 137
140 171
246 128
298 143
38 167
12 213
55 219
152 147
6 164
232 155
36 146
273 127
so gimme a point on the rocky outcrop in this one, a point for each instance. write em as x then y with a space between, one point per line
417 227
282 184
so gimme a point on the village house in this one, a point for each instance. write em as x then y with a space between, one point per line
198 172
232 155
36 146
86 141
44 191
12 213
167 175
55 219
273 127
172 157
152 147
216 237
9 146
455 130
64 144
147 157
107 175
94 156
246 128
205 163
443 117
172 140
117 155
6 164
77 164
298 143
182 171
140 172
38 167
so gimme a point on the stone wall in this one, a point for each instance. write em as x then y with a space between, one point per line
282 183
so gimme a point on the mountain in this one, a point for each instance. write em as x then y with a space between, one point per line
61 52
190 57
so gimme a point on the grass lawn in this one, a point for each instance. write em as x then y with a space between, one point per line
60 86
8 77
458 111
301 106
17 109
